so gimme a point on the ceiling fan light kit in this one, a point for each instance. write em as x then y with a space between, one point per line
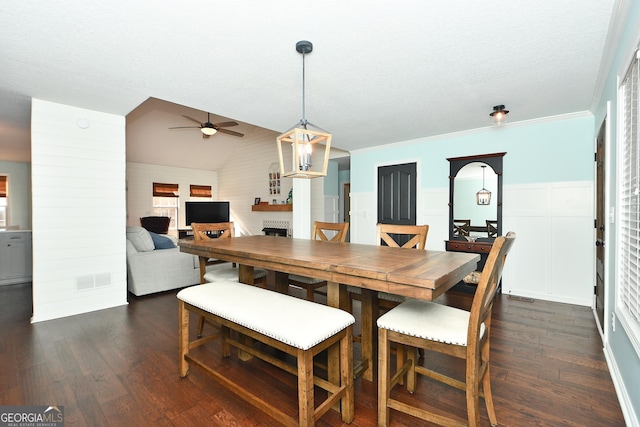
209 128
304 137
499 115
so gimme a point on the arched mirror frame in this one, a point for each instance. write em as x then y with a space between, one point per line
494 161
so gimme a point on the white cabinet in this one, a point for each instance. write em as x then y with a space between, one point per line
15 257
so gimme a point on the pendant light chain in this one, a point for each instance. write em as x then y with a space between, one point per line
304 116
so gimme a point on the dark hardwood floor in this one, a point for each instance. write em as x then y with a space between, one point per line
118 367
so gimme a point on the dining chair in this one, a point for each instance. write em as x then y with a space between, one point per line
221 270
461 227
395 235
329 232
492 228
413 237
448 330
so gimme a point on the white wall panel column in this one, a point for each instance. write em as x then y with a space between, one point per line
301 208
79 214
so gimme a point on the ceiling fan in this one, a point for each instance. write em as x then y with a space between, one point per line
209 128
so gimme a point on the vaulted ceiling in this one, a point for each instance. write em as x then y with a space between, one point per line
380 71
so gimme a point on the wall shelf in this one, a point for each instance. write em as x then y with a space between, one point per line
285 207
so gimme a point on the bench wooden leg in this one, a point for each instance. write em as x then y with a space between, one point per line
306 406
183 338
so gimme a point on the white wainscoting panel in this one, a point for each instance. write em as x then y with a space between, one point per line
434 211
553 257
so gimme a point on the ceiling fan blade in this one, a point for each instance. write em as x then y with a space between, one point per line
193 120
226 124
230 132
185 127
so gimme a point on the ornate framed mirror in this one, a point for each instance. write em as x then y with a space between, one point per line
475 197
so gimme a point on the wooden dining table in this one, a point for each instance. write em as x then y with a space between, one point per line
412 273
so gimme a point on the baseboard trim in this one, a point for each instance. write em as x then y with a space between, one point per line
630 417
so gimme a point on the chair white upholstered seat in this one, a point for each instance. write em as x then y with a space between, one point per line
437 322
226 272
305 279
381 295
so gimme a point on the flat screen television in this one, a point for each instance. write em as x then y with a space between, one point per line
206 212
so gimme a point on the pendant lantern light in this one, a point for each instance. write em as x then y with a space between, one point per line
483 197
304 137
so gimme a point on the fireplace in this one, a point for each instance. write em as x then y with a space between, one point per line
271 231
276 228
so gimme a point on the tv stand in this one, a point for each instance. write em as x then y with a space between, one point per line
187 233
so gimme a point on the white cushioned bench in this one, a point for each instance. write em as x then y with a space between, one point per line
298 327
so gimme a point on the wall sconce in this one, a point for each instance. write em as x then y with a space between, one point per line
499 115
304 137
483 197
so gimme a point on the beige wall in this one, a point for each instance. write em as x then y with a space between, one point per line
140 179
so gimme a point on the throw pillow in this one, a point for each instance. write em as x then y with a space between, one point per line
140 238
161 242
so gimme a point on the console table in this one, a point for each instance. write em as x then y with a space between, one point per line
480 248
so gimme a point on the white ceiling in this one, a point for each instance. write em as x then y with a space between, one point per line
380 71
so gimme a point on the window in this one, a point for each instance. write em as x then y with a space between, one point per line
199 192
628 175
3 201
165 202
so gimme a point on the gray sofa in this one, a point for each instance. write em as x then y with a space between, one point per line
151 269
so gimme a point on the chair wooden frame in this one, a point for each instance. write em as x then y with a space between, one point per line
418 232
418 240
476 353
492 228
461 227
225 230
319 232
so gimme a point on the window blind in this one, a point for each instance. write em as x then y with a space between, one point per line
629 195
200 191
3 186
165 190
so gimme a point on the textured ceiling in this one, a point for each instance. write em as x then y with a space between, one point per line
380 71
